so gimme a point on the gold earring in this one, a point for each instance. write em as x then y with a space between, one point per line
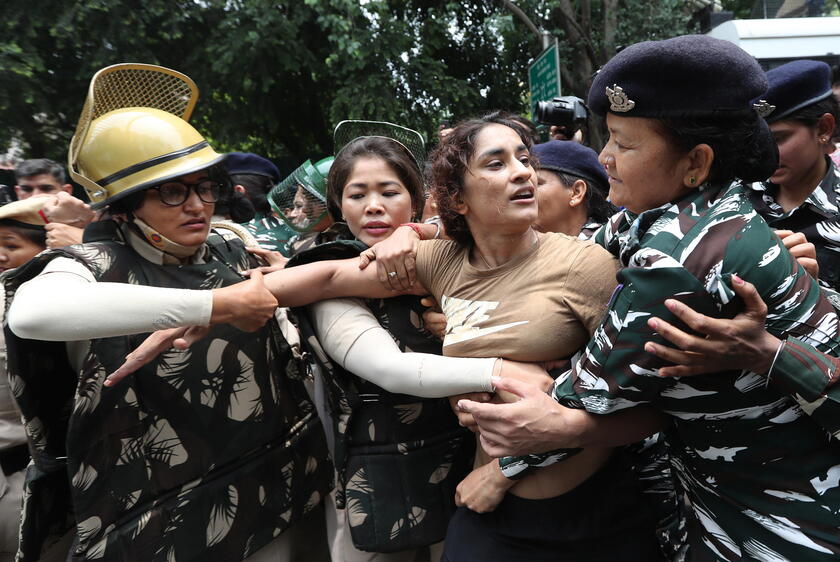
692 180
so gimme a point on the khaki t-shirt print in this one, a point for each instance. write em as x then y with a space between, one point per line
541 306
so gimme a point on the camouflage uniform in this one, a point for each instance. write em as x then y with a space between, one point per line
308 240
588 230
208 453
818 218
271 233
756 461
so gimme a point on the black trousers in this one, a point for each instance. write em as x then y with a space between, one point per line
602 520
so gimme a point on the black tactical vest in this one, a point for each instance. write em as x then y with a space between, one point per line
399 458
208 453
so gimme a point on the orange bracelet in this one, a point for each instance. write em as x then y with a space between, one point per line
415 227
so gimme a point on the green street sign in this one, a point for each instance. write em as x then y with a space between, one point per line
544 76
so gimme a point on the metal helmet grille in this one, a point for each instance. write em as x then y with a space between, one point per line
348 131
132 85
299 199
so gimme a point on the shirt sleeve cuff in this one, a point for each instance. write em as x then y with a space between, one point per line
205 307
801 369
515 468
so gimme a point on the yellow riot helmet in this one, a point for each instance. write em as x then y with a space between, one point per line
133 132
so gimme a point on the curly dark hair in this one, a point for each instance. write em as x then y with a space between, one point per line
450 162
393 153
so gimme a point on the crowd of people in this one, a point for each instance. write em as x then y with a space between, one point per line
499 350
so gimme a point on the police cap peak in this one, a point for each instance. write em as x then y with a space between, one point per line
795 85
691 75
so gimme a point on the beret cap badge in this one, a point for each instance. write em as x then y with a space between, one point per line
763 108
619 100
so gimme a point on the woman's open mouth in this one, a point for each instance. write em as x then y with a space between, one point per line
524 194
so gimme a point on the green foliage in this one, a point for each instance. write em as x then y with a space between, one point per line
277 75
741 9
651 21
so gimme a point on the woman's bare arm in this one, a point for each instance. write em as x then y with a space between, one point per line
305 284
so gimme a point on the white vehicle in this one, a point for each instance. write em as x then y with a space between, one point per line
776 41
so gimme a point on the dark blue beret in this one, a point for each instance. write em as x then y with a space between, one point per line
573 158
795 85
249 163
691 75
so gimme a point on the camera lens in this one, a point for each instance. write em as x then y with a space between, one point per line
567 111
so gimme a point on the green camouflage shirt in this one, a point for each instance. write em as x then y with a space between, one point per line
271 233
818 218
755 460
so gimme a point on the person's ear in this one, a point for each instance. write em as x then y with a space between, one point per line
825 128
459 206
240 189
578 195
67 187
698 165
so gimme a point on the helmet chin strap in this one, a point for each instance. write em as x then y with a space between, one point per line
163 243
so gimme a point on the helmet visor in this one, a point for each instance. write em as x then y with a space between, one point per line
299 199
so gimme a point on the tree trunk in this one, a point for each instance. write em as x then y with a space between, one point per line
581 58
610 29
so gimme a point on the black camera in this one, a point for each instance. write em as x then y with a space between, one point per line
7 194
567 111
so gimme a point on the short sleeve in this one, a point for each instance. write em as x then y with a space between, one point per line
437 261
590 285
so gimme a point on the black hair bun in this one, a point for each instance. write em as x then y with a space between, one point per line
761 155
240 208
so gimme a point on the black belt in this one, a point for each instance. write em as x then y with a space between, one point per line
14 459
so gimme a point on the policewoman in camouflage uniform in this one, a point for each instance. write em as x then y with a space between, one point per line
210 453
258 176
755 453
803 194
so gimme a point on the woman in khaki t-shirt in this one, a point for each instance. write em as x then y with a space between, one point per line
508 290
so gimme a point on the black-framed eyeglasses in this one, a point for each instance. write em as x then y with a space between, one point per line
174 193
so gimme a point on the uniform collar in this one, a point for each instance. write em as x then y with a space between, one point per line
824 200
625 231
589 228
